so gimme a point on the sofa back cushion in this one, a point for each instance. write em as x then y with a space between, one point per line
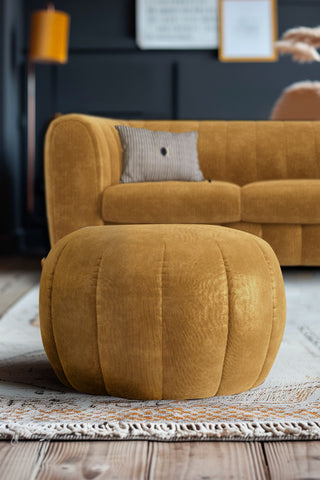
247 151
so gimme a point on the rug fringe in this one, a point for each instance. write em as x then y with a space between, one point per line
165 431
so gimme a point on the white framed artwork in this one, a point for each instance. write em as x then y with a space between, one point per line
177 24
248 30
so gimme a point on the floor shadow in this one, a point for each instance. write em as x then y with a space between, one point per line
32 369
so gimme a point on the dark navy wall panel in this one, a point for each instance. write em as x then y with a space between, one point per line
210 89
108 75
96 24
11 167
116 85
249 93
294 13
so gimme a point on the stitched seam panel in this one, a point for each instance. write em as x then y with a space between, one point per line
227 270
97 323
285 147
51 311
161 307
316 125
301 240
272 279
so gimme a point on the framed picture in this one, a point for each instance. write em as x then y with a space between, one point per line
248 30
177 24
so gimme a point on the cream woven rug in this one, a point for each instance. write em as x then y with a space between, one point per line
33 404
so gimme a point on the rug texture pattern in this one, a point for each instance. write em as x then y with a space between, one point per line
33 404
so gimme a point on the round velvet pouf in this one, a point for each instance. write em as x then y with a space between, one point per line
162 311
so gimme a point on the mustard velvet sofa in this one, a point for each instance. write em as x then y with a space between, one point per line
264 179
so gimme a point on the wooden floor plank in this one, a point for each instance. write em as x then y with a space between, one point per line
96 459
13 285
207 460
293 460
21 460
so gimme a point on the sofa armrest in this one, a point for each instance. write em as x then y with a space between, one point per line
82 158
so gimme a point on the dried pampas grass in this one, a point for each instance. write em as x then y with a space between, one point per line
301 52
301 43
311 36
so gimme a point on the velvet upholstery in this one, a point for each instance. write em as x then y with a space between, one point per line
172 202
161 311
83 168
281 201
293 244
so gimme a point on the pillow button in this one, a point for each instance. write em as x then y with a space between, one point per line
163 151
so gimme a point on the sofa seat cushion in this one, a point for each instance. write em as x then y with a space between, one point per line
281 201
172 202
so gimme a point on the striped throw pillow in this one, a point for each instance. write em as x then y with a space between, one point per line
154 156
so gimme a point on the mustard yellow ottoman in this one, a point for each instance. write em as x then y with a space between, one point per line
161 311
